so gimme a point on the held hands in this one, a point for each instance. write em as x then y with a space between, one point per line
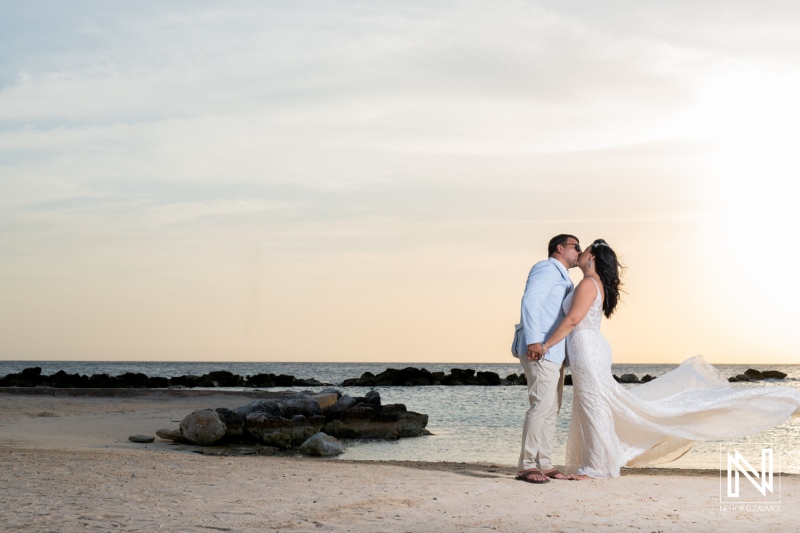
535 351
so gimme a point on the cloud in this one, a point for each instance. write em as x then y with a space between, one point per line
146 143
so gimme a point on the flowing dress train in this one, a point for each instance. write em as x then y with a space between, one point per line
658 421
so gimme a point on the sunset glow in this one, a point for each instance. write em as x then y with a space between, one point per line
354 182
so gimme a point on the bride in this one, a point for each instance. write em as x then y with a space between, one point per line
658 421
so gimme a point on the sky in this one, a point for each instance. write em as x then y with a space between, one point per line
372 181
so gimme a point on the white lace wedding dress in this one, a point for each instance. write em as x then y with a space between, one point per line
659 421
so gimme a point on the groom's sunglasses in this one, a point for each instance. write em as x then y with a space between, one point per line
576 245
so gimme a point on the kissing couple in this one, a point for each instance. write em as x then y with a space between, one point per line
611 426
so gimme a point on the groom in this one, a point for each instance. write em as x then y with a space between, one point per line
548 284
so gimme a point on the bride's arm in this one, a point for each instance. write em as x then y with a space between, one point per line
585 293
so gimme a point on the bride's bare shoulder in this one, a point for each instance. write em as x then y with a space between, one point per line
590 285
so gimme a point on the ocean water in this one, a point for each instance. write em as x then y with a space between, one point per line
469 423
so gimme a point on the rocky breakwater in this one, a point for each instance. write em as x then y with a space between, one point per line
410 376
291 421
33 377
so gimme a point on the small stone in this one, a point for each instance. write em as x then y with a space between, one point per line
141 438
169 434
322 445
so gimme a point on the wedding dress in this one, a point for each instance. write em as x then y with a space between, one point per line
658 421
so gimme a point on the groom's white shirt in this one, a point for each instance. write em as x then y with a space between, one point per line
547 286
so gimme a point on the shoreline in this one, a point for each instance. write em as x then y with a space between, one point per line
66 465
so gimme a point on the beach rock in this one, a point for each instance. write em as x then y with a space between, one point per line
381 422
322 445
282 432
741 377
647 378
299 404
63 380
331 390
367 379
325 400
305 427
413 425
270 407
392 377
284 380
141 438
185 380
568 379
338 429
234 423
31 374
203 427
458 376
102 381
261 380
310 382
269 429
490 378
437 377
372 398
345 402
170 434
220 378
405 377
628 378
157 383
132 380
754 374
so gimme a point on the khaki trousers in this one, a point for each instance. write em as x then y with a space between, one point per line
545 388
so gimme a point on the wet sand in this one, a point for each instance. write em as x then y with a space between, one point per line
66 465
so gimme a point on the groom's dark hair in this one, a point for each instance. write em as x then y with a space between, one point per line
558 240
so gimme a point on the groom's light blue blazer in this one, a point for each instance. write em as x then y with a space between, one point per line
547 286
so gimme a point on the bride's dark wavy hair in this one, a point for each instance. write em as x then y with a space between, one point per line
609 269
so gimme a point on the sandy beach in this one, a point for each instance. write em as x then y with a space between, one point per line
66 465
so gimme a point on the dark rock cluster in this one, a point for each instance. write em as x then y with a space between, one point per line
32 377
631 378
751 374
291 421
391 377
410 376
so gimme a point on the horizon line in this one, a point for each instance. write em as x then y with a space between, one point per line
337 362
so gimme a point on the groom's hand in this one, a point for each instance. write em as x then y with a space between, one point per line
535 351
